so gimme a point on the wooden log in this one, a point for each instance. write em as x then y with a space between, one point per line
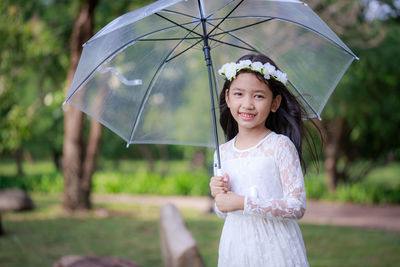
178 246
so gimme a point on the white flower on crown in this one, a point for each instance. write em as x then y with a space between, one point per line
243 64
257 66
230 70
221 71
280 76
268 68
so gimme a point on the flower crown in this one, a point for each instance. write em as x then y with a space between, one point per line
229 70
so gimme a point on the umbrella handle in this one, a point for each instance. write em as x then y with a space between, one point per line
219 172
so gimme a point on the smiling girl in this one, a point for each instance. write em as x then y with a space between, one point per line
261 194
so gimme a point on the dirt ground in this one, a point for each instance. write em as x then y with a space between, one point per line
383 217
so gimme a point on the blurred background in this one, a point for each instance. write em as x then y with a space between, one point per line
40 45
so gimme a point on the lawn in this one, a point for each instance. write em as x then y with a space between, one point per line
42 236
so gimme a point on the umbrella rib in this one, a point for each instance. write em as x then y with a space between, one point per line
170 39
179 13
183 51
238 38
227 4
240 28
237 46
169 59
146 95
179 25
230 12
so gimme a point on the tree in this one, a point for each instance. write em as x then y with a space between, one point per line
32 56
15 123
354 131
79 160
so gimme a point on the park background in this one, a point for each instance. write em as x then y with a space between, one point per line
40 44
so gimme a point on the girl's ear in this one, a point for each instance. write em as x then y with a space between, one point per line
276 103
227 97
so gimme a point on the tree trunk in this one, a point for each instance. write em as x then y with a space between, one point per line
1 227
18 161
28 156
198 160
78 164
56 156
89 164
147 154
164 159
332 134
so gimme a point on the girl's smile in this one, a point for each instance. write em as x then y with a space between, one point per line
246 116
250 102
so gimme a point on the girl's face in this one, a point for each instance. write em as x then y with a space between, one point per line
250 102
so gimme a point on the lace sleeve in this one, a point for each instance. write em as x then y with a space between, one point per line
293 203
219 213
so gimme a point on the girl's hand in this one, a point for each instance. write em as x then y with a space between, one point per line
229 202
219 184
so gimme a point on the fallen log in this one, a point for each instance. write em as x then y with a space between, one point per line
178 246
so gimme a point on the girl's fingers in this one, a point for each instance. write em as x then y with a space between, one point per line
218 189
217 183
217 178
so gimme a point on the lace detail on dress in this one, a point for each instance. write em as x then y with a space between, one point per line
264 148
219 213
293 203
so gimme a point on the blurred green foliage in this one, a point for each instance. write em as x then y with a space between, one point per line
368 97
133 177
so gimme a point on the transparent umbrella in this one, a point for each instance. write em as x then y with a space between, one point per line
151 74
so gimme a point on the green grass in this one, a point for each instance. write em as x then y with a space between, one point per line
349 246
42 236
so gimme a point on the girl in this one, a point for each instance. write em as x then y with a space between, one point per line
261 194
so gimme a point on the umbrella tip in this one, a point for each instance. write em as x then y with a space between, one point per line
65 102
357 58
128 144
319 118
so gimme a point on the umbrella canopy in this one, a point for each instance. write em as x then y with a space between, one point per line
145 74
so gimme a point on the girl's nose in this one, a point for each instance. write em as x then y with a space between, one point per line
248 102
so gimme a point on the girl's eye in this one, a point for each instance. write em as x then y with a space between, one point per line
237 93
259 96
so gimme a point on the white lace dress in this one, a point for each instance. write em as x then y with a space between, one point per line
265 233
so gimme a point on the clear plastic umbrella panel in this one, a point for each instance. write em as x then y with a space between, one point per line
151 75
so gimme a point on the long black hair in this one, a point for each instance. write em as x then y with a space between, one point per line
287 120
